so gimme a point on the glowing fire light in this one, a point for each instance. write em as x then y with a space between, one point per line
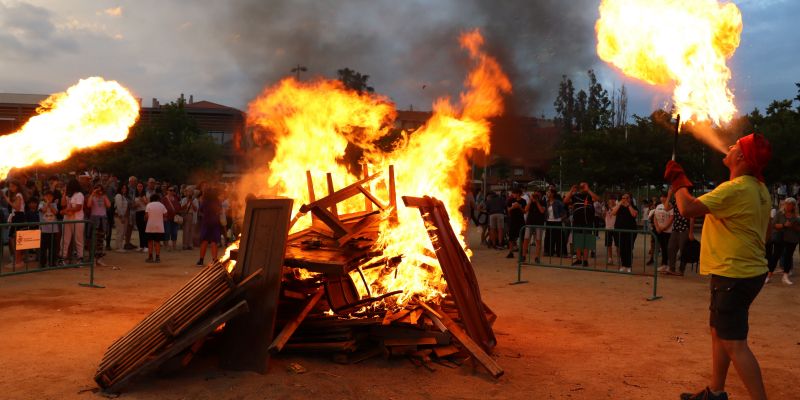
682 41
311 124
92 112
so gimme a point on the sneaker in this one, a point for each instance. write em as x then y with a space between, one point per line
143 250
536 260
662 268
200 262
629 270
576 262
129 246
785 279
158 259
610 261
622 269
706 394
585 263
510 254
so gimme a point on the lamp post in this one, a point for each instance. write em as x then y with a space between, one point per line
298 69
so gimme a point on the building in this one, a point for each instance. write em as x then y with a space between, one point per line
521 148
226 125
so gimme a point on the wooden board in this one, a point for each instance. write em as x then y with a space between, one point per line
263 246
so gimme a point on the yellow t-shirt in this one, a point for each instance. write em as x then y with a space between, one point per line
732 243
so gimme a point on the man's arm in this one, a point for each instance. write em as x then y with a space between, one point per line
688 205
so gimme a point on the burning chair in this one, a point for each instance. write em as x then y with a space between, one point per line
282 292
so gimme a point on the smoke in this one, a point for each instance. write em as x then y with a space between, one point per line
410 48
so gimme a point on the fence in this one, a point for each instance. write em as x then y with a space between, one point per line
560 234
44 242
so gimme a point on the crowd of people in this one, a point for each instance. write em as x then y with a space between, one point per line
502 215
156 210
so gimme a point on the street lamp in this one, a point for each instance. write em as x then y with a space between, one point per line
298 69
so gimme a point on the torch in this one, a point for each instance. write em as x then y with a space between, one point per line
675 141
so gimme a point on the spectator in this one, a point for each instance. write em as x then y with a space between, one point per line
682 233
189 208
139 204
582 199
132 184
785 235
121 216
534 215
515 206
98 204
612 238
495 207
553 240
48 210
155 214
173 206
16 201
625 213
72 203
210 227
662 219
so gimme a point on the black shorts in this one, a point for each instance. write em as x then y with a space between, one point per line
612 238
730 304
155 236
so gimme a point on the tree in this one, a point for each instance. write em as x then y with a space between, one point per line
581 111
355 80
565 104
598 106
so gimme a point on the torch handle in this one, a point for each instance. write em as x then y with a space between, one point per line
675 140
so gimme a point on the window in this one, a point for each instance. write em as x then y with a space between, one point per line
224 139
519 171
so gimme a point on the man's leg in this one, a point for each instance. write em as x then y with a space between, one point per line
720 361
746 366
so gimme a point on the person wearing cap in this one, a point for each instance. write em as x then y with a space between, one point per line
785 236
733 253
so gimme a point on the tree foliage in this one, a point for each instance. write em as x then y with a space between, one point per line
355 80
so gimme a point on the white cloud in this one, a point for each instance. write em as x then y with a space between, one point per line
113 12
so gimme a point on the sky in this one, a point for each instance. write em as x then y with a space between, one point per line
228 51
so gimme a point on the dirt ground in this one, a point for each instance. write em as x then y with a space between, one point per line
564 335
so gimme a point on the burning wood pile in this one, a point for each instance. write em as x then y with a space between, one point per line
309 292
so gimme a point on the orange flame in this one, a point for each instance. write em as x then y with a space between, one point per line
312 123
92 112
682 41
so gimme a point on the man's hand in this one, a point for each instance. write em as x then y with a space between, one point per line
676 177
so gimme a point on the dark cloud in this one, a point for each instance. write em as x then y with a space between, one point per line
405 46
27 32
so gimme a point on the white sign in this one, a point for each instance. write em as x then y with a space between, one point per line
28 239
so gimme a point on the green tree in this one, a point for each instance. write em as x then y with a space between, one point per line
355 80
598 105
565 104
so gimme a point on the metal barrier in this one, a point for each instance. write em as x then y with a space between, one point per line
46 241
565 260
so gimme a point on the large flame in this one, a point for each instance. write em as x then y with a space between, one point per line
312 123
685 42
92 112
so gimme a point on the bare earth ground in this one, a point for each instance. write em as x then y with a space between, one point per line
565 335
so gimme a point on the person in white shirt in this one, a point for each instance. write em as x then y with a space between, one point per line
121 216
154 213
612 238
72 203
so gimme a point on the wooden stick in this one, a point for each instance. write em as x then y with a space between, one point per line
288 329
392 194
330 193
367 202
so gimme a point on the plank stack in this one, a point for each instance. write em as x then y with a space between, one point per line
294 292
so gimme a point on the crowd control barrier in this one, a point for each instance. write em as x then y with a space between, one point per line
41 245
560 255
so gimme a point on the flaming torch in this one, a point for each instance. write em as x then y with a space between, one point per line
689 51
92 112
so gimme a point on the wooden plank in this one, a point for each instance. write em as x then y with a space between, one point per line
201 330
338 196
331 221
367 202
348 345
371 198
263 245
333 210
310 183
462 283
444 351
358 228
469 345
288 329
392 195
420 341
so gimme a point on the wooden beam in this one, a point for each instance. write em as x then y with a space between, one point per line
392 194
329 177
338 196
289 328
442 320
359 227
371 198
367 203
331 221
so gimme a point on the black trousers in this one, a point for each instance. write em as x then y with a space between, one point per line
626 242
141 224
553 240
48 250
783 252
663 246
